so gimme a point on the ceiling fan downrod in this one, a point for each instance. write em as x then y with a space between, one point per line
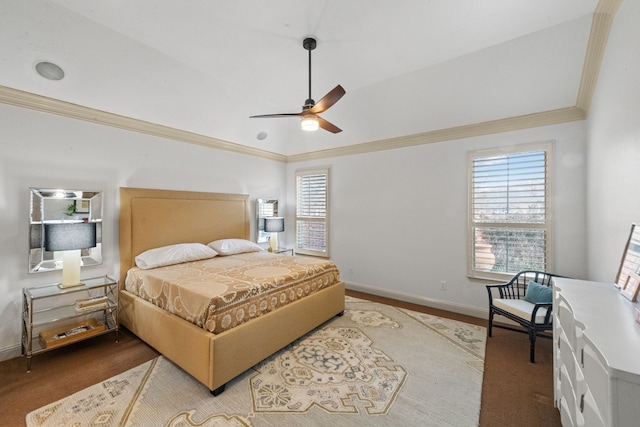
309 44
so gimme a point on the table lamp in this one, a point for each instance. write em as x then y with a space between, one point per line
70 238
273 225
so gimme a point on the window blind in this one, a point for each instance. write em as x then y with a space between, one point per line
509 223
312 212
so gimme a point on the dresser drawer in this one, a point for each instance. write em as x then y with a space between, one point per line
590 416
567 359
567 396
597 381
566 322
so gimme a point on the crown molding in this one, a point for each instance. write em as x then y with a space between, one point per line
598 37
45 104
545 118
32 101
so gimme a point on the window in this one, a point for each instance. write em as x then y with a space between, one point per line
312 220
509 211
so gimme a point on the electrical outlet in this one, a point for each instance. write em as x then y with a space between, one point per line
443 285
351 271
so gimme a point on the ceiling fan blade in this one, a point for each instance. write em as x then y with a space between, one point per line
275 115
328 100
328 126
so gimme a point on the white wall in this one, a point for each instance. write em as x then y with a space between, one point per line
398 217
42 150
614 147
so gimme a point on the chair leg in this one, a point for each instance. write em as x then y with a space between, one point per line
490 327
532 345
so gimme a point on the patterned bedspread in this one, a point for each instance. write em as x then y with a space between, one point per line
220 293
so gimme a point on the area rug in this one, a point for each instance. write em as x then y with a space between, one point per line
377 366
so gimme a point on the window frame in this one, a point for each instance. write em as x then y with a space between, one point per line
325 220
547 225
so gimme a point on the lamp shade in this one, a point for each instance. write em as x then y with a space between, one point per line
69 236
310 123
274 224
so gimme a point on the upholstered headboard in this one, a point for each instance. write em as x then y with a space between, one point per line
153 218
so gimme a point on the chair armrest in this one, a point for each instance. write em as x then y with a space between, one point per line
547 317
503 290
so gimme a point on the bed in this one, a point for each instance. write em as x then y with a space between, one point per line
156 218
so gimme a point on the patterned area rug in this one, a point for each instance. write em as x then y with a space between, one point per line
377 366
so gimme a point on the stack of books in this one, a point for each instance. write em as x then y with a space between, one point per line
93 303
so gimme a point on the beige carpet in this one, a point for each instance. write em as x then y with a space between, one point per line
376 366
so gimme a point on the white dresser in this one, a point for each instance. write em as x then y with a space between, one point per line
596 355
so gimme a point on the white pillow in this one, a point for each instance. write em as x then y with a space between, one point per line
234 246
174 254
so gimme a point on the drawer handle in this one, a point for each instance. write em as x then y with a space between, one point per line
582 357
582 403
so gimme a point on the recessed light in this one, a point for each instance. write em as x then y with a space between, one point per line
49 70
262 135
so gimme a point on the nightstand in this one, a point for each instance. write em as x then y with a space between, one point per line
53 317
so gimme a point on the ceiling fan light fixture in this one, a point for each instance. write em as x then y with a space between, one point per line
310 123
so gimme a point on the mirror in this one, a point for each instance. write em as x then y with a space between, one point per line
265 208
56 206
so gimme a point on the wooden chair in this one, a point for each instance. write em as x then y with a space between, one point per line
508 300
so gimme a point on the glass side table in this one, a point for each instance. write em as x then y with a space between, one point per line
53 317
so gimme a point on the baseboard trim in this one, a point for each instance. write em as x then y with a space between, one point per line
417 299
11 352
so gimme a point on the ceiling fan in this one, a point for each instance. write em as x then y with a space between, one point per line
310 119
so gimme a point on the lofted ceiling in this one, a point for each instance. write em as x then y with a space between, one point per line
202 67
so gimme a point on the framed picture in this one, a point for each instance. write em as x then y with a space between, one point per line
631 287
82 206
630 263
